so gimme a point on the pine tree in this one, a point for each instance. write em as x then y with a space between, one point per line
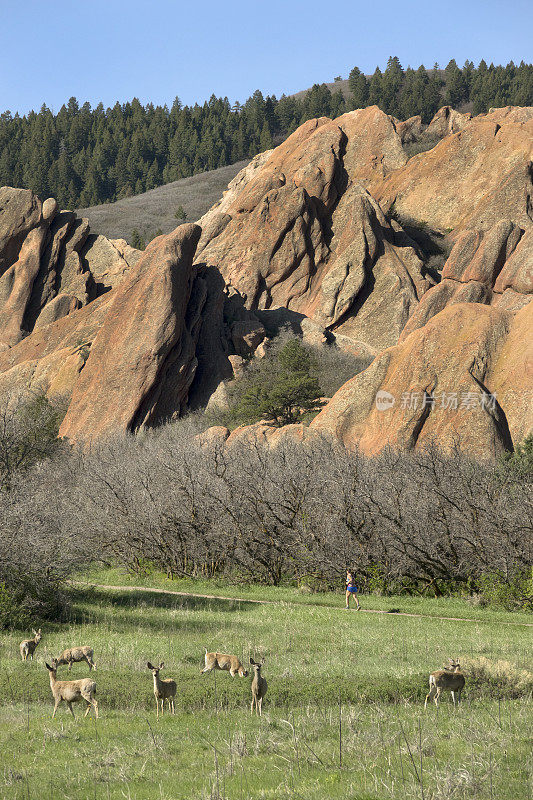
359 88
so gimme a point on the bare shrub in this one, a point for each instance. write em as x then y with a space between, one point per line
416 522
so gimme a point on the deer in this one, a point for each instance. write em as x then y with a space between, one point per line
72 691
224 661
75 654
163 689
259 687
449 679
28 646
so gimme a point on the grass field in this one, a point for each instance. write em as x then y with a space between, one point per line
329 671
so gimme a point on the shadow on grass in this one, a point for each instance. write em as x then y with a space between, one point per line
122 605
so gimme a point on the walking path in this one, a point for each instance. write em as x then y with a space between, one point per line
288 602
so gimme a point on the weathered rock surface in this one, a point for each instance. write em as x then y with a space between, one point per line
480 269
437 384
470 179
447 121
50 264
300 231
142 361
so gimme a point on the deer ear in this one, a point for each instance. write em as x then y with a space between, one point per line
48 666
252 661
162 664
149 665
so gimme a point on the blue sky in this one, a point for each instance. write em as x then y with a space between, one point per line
108 50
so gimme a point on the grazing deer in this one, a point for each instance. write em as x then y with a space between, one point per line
28 646
75 654
225 662
449 679
259 687
72 691
163 689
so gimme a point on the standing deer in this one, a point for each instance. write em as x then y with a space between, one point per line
224 661
72 691
28 646
75 654
163 689
259 687
449 679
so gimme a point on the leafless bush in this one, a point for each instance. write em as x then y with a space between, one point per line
39 547
418 521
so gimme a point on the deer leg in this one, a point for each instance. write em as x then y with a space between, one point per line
55 707
458 696
429 696
70 708
95 704
437 697
260 706
205 669
453 698
69 665
252 706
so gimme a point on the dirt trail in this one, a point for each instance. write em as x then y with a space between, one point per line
287 602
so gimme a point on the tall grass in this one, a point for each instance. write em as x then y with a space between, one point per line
343 688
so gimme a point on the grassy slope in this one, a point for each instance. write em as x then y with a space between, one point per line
311 653
155 209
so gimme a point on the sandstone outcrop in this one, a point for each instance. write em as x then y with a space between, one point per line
330 233
300 231
470 179
142 361
438 387
495 267
50 264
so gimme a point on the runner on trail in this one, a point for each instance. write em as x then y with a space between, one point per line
351 589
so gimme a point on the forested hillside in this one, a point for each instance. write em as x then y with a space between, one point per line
84 156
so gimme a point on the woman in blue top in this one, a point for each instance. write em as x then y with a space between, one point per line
351 589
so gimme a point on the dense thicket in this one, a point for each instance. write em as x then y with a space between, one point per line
84 156
405 522
417 521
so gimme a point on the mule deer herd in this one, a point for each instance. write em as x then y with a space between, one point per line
448 679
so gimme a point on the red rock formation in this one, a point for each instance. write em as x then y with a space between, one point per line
302 232
470 179
49 264
142 361
461 355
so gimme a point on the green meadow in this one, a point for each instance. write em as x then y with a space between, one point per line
344 713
